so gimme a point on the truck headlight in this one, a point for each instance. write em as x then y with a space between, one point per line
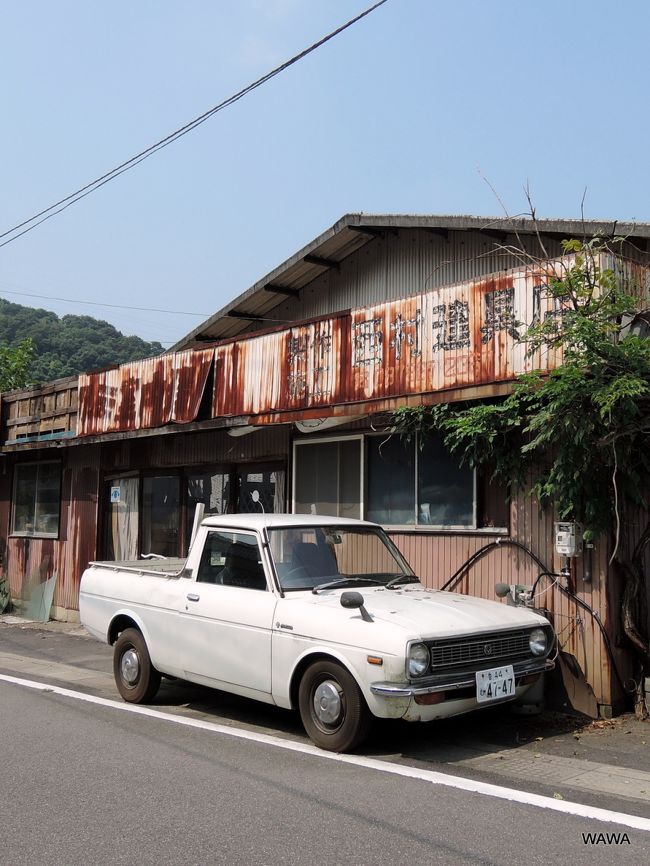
418 659
537 641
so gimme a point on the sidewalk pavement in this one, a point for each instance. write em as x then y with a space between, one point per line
561 751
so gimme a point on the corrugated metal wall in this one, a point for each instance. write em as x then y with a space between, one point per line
141 394
407 261
436 557
29 561
403 263
79 514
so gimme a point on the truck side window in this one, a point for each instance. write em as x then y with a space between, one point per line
232 559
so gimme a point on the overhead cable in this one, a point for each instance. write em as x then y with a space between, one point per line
101 304
28 225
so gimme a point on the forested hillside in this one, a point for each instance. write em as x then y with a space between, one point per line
68 345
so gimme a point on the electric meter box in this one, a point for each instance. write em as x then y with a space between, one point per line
568 539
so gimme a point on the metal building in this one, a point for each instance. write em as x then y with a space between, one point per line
288 390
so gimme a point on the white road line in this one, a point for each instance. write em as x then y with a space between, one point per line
431 776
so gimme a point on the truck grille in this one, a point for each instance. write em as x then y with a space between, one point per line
485 648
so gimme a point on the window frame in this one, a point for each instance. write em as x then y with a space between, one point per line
234 533
432 527
415 528
183 473
17 533
330 440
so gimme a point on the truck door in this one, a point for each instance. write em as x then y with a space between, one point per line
226 614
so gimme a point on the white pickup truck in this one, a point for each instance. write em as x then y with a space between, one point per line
270 607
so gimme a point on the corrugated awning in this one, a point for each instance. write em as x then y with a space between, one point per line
150 393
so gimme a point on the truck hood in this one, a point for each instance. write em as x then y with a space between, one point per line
412 611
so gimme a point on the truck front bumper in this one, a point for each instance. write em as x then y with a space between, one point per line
451 682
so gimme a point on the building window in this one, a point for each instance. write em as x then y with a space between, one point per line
154 514
160 515
327 477
412 486
210 488
393 483
37 499
265 481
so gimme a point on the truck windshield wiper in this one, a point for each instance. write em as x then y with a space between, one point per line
401 578
341 581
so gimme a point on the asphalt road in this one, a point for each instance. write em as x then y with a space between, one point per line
86 783
91 784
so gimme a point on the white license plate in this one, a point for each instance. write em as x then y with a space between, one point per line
495 684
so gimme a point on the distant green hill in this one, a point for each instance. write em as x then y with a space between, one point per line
68 345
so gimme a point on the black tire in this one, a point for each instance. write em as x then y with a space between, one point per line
341 723
136 678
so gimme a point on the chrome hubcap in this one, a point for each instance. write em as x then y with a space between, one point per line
327 703
130 666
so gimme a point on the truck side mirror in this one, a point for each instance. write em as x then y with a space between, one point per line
355 600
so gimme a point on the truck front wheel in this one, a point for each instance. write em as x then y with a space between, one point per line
136 678
332 708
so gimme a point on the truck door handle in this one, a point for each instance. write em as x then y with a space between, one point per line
192 596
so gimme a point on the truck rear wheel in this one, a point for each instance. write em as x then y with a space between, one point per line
136 678
332 708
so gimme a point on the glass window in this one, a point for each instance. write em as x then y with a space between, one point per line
391 481
232 559
211 488
160 515
327 478
305 557
260 489
407 485
445 489
37 499
404 485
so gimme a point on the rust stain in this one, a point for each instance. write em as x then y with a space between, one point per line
144 394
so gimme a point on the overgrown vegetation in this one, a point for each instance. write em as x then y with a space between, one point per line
578 435
15 363
60 347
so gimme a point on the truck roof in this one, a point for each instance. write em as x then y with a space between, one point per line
275 521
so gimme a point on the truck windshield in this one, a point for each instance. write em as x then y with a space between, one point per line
307 556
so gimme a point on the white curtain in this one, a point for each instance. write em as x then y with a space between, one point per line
278 496
124 520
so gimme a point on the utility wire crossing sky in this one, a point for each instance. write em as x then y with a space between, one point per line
410 112
33 222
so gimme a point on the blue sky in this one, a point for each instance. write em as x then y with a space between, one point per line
409 111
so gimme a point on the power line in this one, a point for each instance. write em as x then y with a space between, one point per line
98 304
61 205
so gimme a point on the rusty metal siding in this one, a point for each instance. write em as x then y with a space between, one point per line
76 545
450 337
5 513
144 394
30 561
